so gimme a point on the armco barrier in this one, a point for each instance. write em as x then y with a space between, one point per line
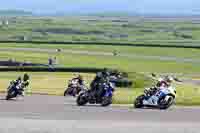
50 69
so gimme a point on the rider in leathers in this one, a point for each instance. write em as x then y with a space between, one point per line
16 82
81 83
162 83
20 85
96 85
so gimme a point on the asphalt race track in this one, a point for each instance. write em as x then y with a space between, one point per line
54 114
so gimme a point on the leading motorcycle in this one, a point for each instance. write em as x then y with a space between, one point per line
162 99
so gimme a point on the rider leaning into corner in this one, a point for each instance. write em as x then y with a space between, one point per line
81 81
16 82
162 83
101 77
21 84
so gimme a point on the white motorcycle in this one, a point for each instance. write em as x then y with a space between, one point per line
162 99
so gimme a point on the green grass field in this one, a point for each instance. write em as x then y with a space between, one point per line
107 30
147 51
134 64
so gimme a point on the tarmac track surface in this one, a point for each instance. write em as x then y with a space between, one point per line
54 114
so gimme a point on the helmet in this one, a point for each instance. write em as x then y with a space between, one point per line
26 77
169 79
98 75
105 72
19 78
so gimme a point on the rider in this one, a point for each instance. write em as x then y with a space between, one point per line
80 80
161 84
101 77
17 81
164 82
81 83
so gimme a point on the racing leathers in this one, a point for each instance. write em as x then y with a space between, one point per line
161 84
97 85
80 85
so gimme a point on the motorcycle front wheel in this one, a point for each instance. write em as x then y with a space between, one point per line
11 94
166 104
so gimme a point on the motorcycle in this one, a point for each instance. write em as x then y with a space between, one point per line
105 99
14 90
162 99
73 88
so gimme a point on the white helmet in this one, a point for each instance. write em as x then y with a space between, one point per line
169 79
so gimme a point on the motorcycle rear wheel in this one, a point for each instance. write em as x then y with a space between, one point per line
106 101
81 100
138 103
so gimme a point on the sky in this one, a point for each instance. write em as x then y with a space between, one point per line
93 6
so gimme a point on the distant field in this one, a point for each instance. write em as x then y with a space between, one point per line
132 30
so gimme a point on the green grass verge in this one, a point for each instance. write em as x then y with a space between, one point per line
150 51
97 61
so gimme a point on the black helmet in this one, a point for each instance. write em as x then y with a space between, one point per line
19 78
105 72
26 77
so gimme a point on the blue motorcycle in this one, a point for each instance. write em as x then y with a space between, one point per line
105 98
14 90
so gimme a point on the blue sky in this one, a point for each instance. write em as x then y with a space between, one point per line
85 6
